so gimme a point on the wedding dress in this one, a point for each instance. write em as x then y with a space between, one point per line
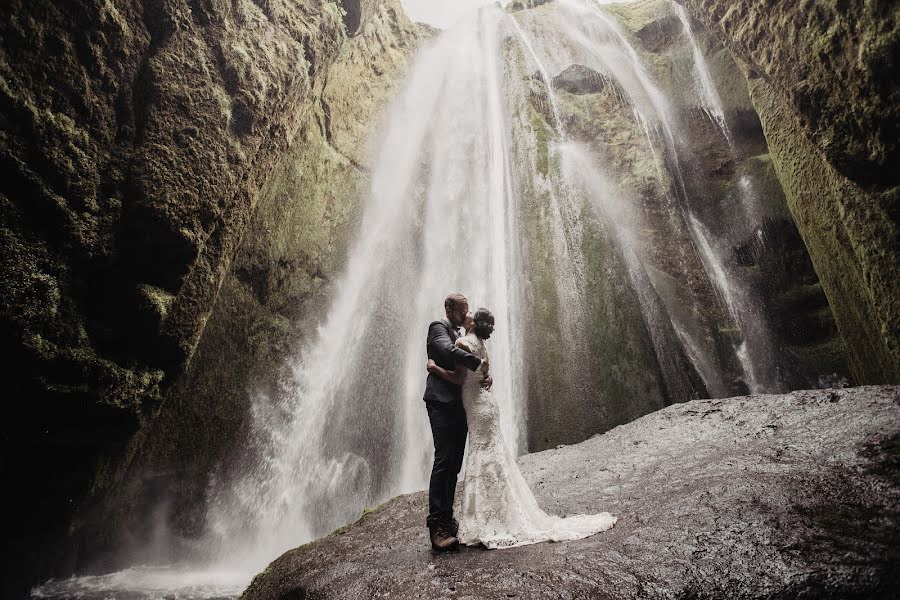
497 506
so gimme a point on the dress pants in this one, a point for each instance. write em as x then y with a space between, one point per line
448 427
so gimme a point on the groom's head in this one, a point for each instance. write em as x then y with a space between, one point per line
456 306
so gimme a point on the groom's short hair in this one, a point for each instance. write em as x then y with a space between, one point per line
454 301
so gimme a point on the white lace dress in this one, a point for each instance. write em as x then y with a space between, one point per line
497 508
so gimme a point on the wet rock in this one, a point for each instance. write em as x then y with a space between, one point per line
269 300
578 79
822 77
749 497
138 145
733 185
658 34
517 5
357 13
833 65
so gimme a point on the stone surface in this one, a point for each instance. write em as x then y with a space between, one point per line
141 145
852 236
833 64
134 138
578 79
733 182
792 496
269 302
828 96
731 186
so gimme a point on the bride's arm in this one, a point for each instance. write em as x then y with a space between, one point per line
462 345
458 376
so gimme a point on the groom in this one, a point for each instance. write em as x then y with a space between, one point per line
448 420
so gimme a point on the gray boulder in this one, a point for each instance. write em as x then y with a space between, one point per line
578 79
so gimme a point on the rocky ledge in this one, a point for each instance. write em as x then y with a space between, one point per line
782 496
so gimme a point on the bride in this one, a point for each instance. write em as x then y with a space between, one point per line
497 506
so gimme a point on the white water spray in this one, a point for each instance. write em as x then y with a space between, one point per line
708 95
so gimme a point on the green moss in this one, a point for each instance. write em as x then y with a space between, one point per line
373 510
546 394
851 239
634 16
616 139
366 513
828 357
157 298
540 136
629 383
731 85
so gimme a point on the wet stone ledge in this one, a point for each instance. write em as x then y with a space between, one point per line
777 496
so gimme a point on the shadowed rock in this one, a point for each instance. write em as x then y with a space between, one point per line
822 78
790 495
578 79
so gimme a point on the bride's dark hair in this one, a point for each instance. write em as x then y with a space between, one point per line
484 323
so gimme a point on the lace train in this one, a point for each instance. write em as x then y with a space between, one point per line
497 508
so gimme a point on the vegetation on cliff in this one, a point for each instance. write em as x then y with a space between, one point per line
140 145
823 80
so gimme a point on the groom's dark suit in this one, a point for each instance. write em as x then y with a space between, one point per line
448 419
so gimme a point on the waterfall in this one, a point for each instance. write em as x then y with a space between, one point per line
467 163
708 95
351 430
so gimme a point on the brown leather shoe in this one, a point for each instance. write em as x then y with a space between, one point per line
453 527
442 541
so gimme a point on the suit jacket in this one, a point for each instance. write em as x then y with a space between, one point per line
440 348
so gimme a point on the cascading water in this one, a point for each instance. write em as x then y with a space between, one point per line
352 430
581 32
576 32
465 167
757 353
709 96
578 176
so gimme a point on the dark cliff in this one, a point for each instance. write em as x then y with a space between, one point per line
137 141
822 76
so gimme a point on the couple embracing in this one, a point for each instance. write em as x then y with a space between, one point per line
497 508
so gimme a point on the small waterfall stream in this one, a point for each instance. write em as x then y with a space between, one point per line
461 153
709 96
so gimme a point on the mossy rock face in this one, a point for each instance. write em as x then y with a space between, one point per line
733 185
578 79
851 237
273 295
581 299
620 146
832 65
138 143
823 85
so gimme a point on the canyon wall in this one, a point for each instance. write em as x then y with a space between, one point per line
180 181
141 144
822 77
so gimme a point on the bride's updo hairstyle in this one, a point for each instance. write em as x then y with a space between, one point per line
484 323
